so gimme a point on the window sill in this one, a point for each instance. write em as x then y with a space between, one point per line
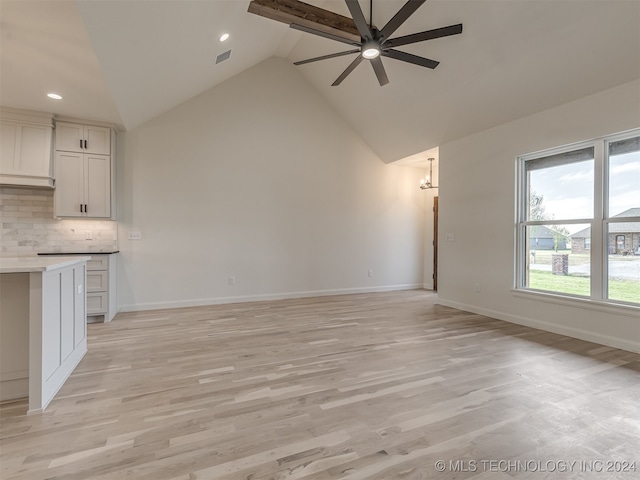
577 302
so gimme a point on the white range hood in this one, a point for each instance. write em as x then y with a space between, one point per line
26 148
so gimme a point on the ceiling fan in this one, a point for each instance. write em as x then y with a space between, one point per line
375 43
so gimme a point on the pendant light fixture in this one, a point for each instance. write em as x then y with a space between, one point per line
426 183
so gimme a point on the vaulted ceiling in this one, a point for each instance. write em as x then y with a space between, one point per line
127 61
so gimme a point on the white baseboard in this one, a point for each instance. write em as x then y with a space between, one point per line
581 334
260 298
427 286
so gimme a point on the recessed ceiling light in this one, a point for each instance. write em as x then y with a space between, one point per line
55 96
224 36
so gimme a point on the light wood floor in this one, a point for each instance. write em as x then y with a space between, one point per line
377 386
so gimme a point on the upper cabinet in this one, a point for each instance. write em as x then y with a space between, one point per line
84 171
83 185
25 148
73 137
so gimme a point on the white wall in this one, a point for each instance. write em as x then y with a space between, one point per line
477 195
258 178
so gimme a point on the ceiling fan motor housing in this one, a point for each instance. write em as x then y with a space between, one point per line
370 49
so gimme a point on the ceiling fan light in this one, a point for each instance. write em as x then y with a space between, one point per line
370 52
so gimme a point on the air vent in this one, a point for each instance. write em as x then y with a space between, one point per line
223 56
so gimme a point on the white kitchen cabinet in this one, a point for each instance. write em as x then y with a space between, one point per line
101 288
84 170
25 148
75 137
83 185
100 283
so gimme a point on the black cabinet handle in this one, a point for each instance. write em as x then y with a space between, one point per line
80 208
80 143
85 144
85 208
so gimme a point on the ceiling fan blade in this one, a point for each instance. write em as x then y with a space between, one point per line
352 66
376 63
358 18
423 36
325 57
399 18
320 33
408 57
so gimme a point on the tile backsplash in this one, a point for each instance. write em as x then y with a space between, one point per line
28 226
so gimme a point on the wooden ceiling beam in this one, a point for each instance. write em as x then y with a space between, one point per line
294 11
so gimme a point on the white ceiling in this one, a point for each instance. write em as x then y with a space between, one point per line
128 61
44 48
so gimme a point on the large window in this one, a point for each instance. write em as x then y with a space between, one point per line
578 220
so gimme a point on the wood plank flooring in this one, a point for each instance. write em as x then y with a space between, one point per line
371 386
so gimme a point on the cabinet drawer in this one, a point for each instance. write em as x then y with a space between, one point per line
97 281
97 303
98 262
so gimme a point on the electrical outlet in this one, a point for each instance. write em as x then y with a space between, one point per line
88 235
477 287
135 235
450 237
232 280
370 273
79 289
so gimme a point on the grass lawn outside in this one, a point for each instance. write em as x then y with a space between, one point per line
623 290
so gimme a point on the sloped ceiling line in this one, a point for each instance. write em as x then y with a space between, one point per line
144 58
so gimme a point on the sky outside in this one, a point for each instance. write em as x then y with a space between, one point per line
567 190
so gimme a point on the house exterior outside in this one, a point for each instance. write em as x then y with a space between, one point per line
623 238
543 238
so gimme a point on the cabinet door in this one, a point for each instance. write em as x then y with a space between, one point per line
69 137
69 193
35 151
98 185
98 140
74 137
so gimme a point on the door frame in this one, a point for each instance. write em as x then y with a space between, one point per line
435 244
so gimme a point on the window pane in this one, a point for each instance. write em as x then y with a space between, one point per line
624 178
560 191
624 261
559 258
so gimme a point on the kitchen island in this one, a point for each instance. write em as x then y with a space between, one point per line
43 332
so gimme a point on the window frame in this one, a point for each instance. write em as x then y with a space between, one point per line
599 224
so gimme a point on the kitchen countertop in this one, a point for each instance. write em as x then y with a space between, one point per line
37 264
87 252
